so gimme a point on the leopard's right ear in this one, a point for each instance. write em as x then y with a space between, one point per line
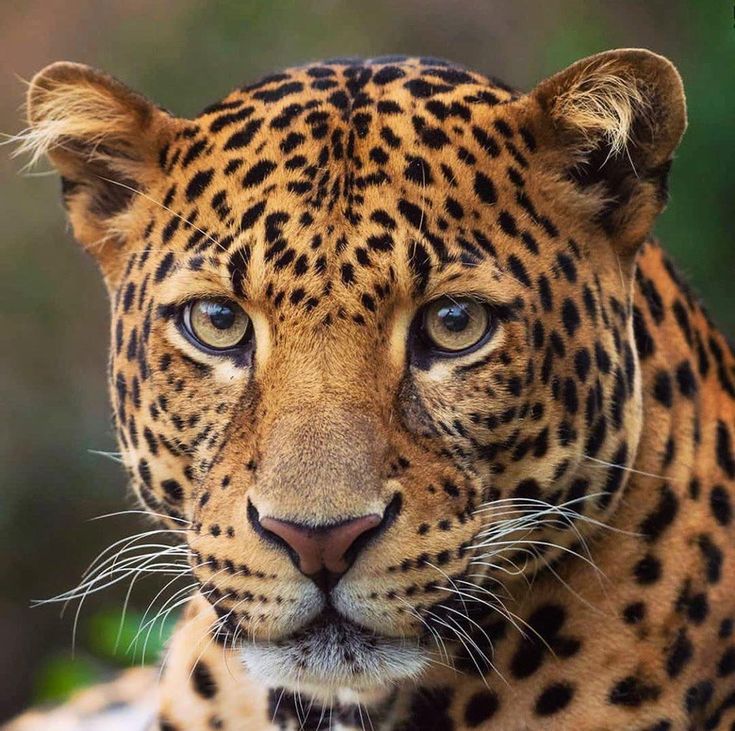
105 140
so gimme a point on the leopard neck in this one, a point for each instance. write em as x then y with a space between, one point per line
688 381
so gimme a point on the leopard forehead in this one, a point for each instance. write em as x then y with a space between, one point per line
315 177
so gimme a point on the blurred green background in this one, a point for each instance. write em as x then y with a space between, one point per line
185 54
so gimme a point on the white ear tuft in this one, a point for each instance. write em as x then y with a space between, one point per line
62 114
602 103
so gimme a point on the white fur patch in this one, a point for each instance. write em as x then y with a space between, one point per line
329 657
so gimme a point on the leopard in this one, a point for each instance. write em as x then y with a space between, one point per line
440 434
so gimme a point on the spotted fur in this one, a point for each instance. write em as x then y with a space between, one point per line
561 498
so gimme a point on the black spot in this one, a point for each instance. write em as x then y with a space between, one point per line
485 189
645 344
204 683
567 266
384 242
412 213
481 707
198 184
662 516
508 223
663 725
697 608
662 390
347 273
274 95
679 653
164 267
258 173
726 664
544 289
422 89
173 490
529 489
418 170
570 316
486 142
633 692
251 216
518 270
698 696
682 319
454 208
193 153
712 556
653 298
420 264
434 137
553 699
382 218
647 570
720 505
429 711
544 623
387 74
725 457
634 613
685 379
244 137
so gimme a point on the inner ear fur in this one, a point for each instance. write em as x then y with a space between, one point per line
104 139
611 124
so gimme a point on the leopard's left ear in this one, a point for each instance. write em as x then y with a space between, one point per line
610 123
105 141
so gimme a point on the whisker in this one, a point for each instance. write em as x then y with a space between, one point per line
625 468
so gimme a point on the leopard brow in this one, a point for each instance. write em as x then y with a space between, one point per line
186 285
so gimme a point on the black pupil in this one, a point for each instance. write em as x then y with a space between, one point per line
222 316
454 317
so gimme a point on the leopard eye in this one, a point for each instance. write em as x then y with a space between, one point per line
456 324
216 324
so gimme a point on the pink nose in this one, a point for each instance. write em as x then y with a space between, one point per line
323 549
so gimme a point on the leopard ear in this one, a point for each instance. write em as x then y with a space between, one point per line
610 124
104 140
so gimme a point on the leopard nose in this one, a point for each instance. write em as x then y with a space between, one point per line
324 553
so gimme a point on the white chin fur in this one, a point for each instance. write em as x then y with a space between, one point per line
331 657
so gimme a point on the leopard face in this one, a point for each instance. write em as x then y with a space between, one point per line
372 345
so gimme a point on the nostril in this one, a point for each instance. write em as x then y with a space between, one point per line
324 552
390 514
268 535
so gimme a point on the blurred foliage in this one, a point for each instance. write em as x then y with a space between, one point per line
185 54
112 640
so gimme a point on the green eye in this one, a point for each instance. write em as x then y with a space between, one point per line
216 324
454 324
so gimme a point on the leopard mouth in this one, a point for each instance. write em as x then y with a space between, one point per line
333 652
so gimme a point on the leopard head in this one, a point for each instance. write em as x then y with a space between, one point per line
371 333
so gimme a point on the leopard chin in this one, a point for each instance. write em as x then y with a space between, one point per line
331 654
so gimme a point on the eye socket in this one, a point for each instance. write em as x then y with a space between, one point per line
456 324
216 324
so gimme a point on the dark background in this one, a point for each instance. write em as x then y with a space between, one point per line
185 54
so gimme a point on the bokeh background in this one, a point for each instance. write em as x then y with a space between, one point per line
185 54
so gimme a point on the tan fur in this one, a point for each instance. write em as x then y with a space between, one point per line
554 504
